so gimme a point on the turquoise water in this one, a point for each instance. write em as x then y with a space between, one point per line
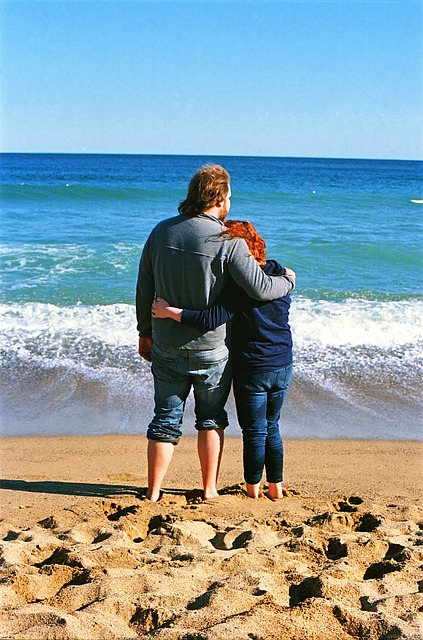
73 227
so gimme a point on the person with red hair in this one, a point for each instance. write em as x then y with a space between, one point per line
261 353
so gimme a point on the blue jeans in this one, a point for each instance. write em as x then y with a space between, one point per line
259 398
175 373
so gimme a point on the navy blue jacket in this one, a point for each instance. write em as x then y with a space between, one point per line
261 335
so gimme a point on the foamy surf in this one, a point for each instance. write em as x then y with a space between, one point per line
382 324
354 361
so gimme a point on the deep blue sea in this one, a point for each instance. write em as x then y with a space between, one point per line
73 228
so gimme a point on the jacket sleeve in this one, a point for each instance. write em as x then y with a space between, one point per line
145 293
225 307
247 273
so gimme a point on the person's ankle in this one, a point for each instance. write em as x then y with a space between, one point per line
253 490
153 496
274 491
209 494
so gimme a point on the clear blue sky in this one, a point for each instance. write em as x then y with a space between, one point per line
241 77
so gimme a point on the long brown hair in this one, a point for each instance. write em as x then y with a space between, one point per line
244 229
208 187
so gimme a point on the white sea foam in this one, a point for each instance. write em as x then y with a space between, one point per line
357 322
111 324
384 325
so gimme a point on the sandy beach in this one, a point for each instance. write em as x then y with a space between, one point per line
85 556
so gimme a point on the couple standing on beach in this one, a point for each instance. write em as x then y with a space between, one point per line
211 308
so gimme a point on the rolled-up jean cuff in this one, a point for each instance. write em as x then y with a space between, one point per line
158 435
208 425
275 479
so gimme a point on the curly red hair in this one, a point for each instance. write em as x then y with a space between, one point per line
244 229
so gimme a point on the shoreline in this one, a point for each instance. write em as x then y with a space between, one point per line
84 555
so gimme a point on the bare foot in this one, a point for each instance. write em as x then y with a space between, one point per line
253 490
153 497
275 491
210 495
271 497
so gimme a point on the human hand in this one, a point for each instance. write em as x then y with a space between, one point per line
289 272
145 346
160 308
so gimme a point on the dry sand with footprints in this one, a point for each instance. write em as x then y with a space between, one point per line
85 556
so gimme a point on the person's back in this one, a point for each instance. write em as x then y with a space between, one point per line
188 261
262 339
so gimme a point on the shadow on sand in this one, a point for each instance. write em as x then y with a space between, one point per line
79 488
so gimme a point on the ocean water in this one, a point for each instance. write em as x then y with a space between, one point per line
73 228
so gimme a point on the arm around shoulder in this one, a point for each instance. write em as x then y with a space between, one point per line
247 273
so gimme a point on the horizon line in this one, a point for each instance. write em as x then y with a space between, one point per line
204 155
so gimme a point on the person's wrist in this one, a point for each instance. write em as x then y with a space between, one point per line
176 313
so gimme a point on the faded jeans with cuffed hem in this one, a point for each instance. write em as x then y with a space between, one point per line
175 373
259 398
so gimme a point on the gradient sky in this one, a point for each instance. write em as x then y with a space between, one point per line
241 77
